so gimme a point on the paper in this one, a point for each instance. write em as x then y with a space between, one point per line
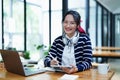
69 77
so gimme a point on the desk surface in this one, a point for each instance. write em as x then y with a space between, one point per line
90 74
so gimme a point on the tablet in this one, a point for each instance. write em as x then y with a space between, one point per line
58 67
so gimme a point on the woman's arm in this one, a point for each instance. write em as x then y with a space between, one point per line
87 55
49 59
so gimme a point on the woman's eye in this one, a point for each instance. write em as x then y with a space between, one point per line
72 23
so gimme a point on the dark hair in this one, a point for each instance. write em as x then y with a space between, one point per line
75 15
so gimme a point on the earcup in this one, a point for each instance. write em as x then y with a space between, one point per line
65 41
74 40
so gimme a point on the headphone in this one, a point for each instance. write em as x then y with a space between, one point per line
69 42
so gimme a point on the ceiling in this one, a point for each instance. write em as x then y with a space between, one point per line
112 5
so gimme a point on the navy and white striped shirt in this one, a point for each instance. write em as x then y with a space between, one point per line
82 52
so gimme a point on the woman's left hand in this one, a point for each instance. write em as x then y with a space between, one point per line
70 70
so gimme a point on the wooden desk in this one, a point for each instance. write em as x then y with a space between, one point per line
90 74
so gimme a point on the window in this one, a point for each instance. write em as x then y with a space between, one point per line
117 30
56 19
105 28
99 34
1 24
37 25
80 6
92 29
13 24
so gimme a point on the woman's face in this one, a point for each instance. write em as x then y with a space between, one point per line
69 25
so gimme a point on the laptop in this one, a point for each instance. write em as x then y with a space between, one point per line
14 64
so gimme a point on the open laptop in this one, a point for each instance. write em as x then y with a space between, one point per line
13 64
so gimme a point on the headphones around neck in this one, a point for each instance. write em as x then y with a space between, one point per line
73 41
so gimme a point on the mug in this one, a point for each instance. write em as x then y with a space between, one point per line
103 68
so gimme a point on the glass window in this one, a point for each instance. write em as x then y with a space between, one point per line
56 16
92 29
0 24
45 21
37 26
99 34
80 6
34 26
109 29
117 30
13 24
105 28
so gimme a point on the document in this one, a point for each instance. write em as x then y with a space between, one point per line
68 77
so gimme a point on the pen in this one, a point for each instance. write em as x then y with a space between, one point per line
54 58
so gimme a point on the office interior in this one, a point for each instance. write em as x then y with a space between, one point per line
24 24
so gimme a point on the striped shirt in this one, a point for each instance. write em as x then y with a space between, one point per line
82 52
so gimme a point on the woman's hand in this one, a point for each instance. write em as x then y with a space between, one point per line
54 62
70 70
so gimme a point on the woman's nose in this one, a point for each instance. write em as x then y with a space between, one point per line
68 24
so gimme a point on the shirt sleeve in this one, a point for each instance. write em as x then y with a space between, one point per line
52 52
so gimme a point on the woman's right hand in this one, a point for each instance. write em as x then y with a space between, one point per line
70 70
54 62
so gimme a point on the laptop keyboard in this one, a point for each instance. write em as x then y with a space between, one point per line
30 70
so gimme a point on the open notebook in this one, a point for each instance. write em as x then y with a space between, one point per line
13 64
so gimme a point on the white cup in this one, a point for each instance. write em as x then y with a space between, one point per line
103 68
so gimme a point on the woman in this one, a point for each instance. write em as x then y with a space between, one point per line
73 48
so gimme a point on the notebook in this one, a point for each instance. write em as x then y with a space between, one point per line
13 64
